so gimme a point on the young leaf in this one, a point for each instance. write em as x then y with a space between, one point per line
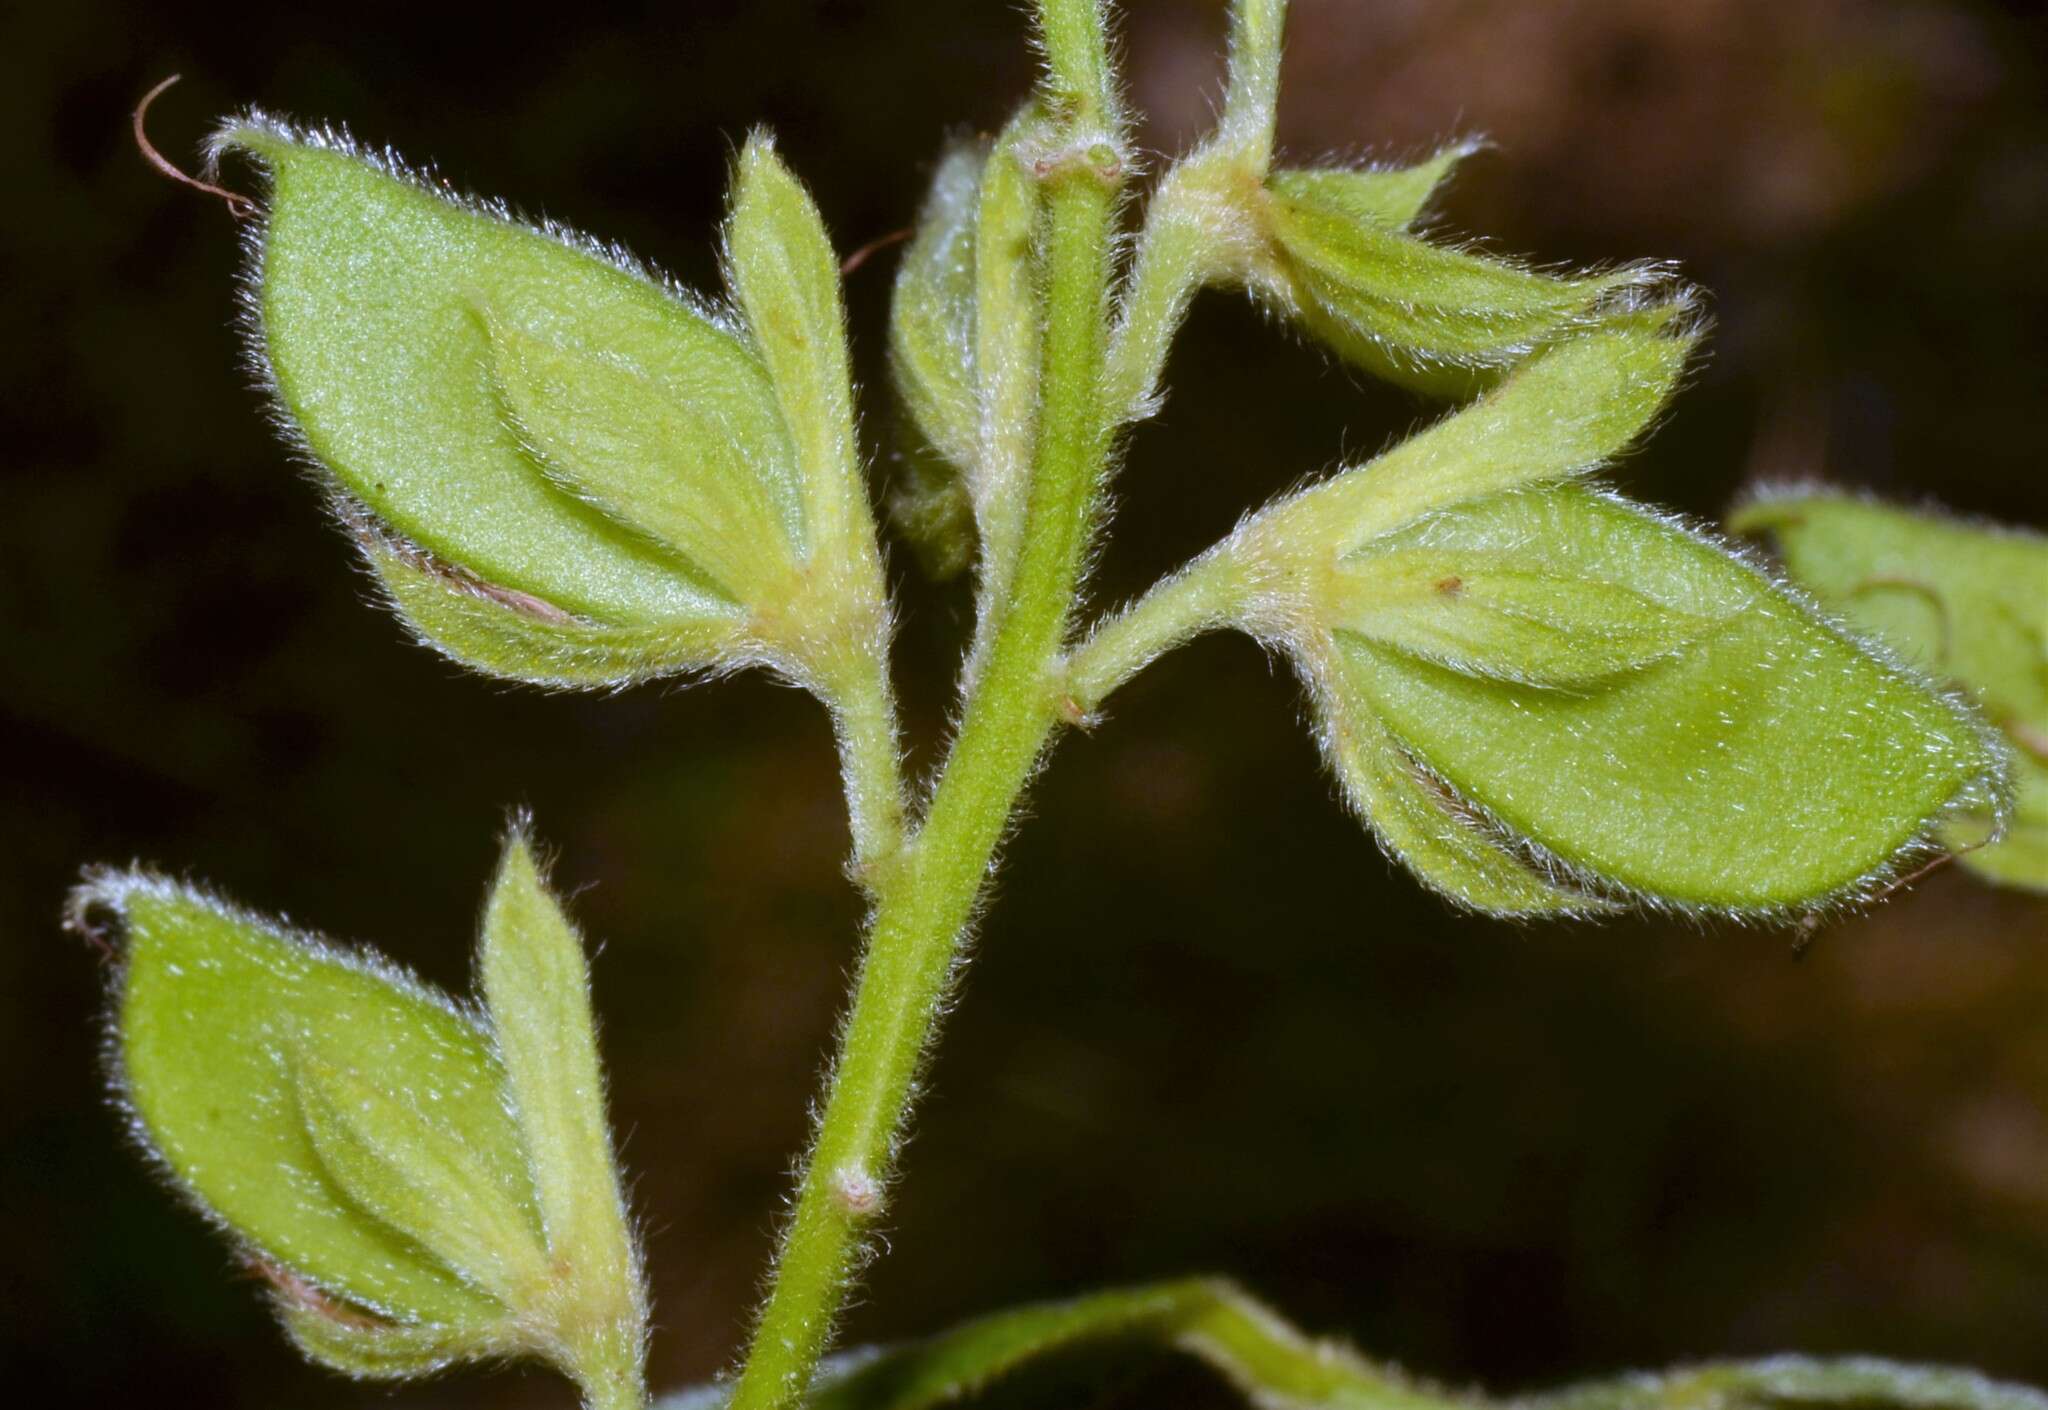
1006 351
562 470
416 1174
1506 611
786 280
1544 699
1761 763
1563 413
216 1010
517 636
655 454
376 294
536 990
417 1188
1426 827
1432 317
369 1348
1962 601
1390 196
964 345
932 354
931 315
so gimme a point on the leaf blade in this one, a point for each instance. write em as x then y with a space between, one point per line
213 1004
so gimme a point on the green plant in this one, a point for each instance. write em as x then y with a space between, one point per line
1543 699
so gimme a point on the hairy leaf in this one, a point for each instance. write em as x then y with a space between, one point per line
1417 312
536 989
932 354
1389 196
1968 603
1423 825
387 1153
1762 762
1509 611
931 322
372 290
217 1010
519 637
786 280
1565 412
656 453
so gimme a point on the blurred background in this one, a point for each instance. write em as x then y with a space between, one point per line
1209 1029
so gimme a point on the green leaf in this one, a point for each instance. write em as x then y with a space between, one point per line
517 636
786 281
371 291
1006 352
1962 601
658 451
417 1174
1763 764
369 1348
932 355
1440 319
216 1008
1390 196
964 329
931 315
536 989
417 1188
1564 413
1443 840
1276 1367
1481 599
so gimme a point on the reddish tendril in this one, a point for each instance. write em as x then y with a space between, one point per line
239 206
861 256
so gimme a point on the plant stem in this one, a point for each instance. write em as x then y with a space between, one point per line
924 906
1207 593
870 763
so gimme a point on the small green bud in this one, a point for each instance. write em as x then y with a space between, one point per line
417 1185
1439 319
1962 601
561 469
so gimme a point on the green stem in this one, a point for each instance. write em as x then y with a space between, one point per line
1253 95
1264 1357
870 761
923 907
1207 593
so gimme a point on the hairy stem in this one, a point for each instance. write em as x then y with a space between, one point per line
870 761
1207 593
923 907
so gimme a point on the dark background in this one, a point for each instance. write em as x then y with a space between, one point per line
1209 1029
